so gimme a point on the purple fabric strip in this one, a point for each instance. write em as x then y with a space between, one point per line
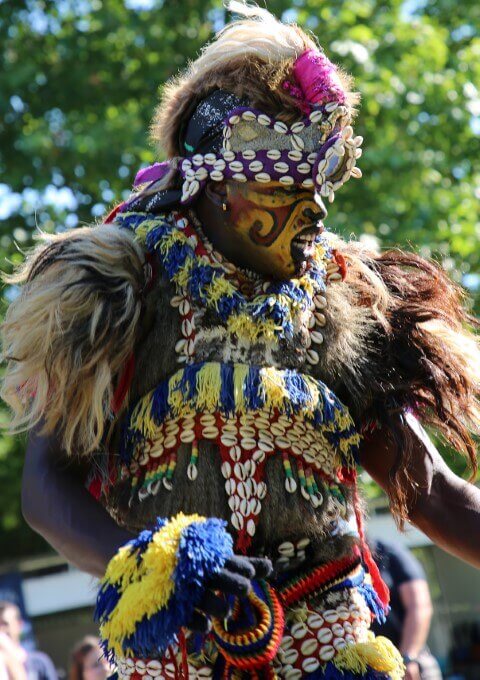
152 173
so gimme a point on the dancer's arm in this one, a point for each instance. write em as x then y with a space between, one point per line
56 505
445 507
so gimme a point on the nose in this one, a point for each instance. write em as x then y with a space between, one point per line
318 214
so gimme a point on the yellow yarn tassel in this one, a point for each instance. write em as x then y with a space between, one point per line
209 384
378 653
276 394
240 373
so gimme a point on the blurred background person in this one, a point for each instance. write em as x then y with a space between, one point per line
31 664
408 622
88 662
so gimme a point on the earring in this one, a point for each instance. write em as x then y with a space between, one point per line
224 206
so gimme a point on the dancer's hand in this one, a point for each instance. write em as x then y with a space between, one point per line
234 579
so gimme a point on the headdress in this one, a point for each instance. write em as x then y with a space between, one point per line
262 103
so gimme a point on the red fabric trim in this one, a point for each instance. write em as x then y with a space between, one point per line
123 384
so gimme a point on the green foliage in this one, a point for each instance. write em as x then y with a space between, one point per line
79 83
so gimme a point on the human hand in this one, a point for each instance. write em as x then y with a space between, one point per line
412 671
234 579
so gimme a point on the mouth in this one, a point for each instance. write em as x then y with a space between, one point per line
303 245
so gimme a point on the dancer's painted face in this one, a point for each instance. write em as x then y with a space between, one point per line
275 225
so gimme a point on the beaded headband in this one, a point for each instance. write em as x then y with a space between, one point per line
226 139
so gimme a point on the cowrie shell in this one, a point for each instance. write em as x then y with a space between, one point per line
239 177
235 453
327 652
297 127
192 472
287 549
347 628
309 646
282 442
339 643
201 173
317 337
290 485
337 630
286 643
308 183
297 142
180 345
210 158
233 120
293 674
304 168
273 154
316 116
267 447
249 154
228 440
249 115
258 456
217 176
248 443
281 166
237 521
312 356
255 506
263 119
279 126
295 155
324 635
170 442
226 469
263 177
228 156
310 665
287 180
251 527
247 431
290 656
210 432
256 166
314 621
234 503
261 490
230 486
298 630
203 673
350 639
330 615
250 468
239 471
343 612
236 166
219 164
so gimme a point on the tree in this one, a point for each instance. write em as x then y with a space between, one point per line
79 83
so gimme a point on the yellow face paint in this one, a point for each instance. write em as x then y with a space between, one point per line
267 219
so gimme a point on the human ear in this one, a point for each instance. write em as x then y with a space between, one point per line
216 192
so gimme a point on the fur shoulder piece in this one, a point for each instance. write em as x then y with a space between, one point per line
426 356
70 332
